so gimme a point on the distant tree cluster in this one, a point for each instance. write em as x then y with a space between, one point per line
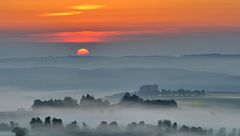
183 93
129 99
89 101
66 102
148 90
54 126
153 91
69 102
37 123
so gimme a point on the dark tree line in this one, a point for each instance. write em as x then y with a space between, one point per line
69 102
129 99
153 91
89 101
183 93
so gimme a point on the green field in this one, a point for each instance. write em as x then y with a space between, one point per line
215 100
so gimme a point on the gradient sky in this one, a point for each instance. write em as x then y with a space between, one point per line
119 27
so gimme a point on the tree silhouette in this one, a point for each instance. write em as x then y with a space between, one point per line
20 131
47 122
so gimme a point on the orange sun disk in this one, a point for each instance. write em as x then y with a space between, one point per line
82 52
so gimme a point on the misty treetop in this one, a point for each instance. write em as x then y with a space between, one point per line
89 101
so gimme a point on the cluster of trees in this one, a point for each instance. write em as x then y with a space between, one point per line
66 102
153 91
8 127
148 91
89 101
183 93
14 127
69 102
55 126
37 123
129 99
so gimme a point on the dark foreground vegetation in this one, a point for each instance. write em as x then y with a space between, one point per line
89 101
54 126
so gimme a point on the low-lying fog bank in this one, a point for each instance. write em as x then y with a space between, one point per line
50 126
204 117
193 114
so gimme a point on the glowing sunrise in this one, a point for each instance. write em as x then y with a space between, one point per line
120 68
82 52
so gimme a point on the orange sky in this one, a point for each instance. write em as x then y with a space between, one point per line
114 13
120 15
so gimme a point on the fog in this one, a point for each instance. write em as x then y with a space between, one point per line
209 116
24 80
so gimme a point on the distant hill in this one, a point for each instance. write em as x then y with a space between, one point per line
219 63
214 55
53 78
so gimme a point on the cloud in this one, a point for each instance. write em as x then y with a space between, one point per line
87 7
62 13
96 36
77 37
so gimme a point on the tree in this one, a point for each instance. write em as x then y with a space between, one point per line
47 122
184 128
73 126
210 132
160 123
85 126
132 125
36 123
233 133
221 132
32 123
57 123
103 125
141 124
174 126
13 124
167 124
70 102
113 125
20 131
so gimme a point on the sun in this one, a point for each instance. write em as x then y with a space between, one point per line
82 52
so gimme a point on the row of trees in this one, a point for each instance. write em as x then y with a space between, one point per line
129 99
183 93
153 91
164 127
89 101
49 122
69 102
